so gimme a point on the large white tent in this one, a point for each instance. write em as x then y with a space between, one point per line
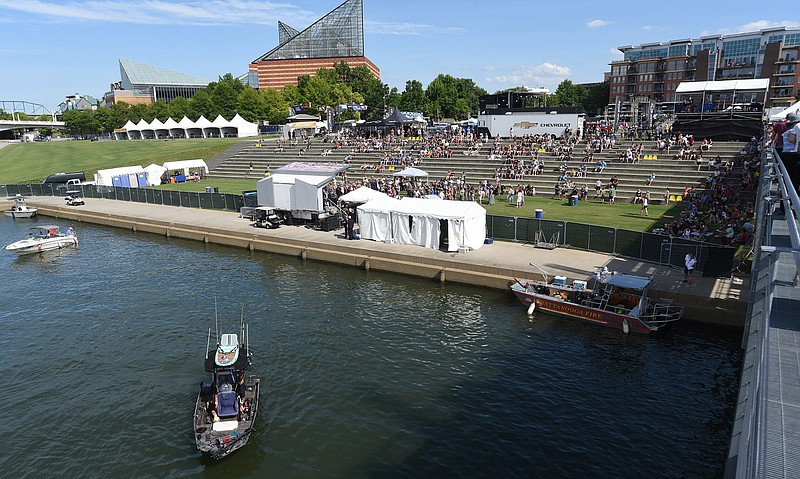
419 221
202 128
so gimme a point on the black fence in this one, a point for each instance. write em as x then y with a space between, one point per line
713 259
208 200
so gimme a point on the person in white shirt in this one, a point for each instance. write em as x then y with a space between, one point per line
790 136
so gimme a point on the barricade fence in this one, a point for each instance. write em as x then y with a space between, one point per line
187 199
713 259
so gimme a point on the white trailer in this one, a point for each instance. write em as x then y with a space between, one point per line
297 192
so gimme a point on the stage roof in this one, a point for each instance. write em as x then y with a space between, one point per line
757 84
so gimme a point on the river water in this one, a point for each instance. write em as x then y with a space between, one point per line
364 374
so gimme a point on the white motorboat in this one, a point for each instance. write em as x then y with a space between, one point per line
44 238
20 209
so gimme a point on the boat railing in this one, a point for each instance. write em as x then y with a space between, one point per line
662 313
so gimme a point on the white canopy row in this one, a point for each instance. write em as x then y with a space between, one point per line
237 127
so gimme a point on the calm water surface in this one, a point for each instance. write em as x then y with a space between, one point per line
364 374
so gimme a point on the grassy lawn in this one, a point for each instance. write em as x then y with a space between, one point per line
621 215
235 187
22 163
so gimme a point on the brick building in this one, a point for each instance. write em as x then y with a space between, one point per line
336 37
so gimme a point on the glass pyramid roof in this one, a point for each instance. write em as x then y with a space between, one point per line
285 32
135 73
340 33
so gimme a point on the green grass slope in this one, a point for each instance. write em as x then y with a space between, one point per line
22 163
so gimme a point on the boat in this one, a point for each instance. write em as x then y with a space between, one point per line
74 198
20 209
614 299
44 238
227 403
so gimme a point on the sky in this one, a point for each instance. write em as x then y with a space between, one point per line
50 49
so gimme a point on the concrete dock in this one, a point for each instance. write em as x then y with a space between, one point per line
721 301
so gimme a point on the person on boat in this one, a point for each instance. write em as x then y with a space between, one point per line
70 231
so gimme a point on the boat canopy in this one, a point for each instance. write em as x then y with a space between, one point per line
624 280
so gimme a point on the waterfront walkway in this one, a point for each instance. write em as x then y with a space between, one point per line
715 300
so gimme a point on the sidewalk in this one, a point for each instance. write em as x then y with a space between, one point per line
716 300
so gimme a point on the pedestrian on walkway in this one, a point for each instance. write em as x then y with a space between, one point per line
689 263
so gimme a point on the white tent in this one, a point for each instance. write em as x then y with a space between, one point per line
154 173
412 172
782 114
374 219
186 165
362 194
244 127
419 221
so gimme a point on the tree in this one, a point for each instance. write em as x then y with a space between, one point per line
413 97
596 98
178 108
251 105
568 94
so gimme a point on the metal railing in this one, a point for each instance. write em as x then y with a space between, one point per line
751 449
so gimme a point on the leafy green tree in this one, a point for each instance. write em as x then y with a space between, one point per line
202 104
160 110
413 97
568 94
178 108
596 98
276 107
251 105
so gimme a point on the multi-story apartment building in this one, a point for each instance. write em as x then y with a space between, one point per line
649 74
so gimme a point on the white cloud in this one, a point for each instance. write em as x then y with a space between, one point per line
489 68
597 23
547 75
752 26
161 12
406 28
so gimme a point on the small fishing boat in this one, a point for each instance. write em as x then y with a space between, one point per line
20 209
614 299
44 238
227 403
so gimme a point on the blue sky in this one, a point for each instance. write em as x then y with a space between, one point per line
50 49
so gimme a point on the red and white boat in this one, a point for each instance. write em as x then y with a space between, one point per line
614 299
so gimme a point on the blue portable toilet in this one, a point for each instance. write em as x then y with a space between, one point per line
116 181
142 179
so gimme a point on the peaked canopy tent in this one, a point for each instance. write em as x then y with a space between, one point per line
186 128
411 172
361 195
424 222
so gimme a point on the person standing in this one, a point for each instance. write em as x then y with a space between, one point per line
689 263
666 197
644 207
